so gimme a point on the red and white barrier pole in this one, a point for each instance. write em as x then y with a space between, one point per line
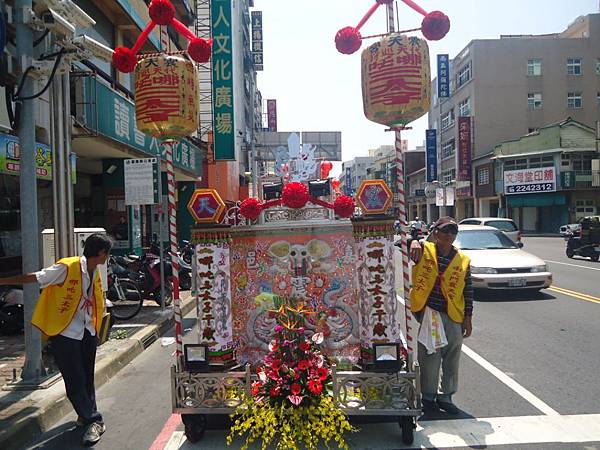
173 240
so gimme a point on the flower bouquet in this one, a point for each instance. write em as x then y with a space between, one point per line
291 403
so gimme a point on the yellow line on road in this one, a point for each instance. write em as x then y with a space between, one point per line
579 295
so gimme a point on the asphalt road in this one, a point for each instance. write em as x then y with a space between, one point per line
529 379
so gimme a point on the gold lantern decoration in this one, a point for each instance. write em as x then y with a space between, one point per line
166 96
396 80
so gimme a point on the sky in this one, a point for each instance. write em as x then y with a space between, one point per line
319 89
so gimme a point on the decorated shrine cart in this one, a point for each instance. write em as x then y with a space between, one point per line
342 268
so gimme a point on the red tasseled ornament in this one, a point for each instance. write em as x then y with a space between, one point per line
295 195
250 208
199 50
162 12
348 40
344 206
124 60
435 25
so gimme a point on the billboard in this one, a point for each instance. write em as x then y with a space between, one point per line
222 67
530 181
464 148
431 156
443 76
257 40
272 114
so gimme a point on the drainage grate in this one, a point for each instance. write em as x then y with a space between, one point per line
149 340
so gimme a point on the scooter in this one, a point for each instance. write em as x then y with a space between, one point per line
11 310
575 247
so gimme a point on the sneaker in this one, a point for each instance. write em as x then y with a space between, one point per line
93 433
449 407
430 406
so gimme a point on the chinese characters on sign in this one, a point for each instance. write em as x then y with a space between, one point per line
141 181
206 206
222 66
431 144
464 149
443 76
395 80
527 181
272 114
257 40
374 197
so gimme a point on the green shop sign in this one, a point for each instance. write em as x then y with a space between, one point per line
10 158
113 116
222 66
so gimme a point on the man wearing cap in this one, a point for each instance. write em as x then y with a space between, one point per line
442 300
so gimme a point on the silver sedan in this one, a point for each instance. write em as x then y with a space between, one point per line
498 263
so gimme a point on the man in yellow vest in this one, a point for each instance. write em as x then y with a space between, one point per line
442 301
69 311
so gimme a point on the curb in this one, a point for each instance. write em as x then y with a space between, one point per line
22 432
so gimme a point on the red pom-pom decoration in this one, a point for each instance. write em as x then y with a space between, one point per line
295 195
344 206
250 208
124 60
162 12
199 50
348 40
435 25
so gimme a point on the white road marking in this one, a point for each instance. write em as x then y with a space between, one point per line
572 265
451 433
527 395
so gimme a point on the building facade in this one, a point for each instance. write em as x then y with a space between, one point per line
506 88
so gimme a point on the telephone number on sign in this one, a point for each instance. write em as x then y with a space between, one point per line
540 187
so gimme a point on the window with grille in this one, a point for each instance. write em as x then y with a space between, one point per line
448 148
574 66
448 119
574 100
483 176
534 67
464 108
464 75
534 100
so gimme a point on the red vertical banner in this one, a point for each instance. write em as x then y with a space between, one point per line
464 149
272 114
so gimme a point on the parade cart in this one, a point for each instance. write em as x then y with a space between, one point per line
343 268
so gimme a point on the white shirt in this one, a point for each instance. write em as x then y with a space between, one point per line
82 320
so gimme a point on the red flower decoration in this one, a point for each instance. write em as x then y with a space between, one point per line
296 388
315 387
199 50
304 346
348 40
295 195
124 60
250 208
323 373
275 390
162 12
344 206
435 25
303 365
255 388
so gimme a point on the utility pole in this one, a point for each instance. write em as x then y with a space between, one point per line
30 241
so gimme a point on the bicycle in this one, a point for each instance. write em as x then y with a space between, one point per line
124 295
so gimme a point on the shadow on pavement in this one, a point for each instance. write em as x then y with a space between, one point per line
66 436
512 296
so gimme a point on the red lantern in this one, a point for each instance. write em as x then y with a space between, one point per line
326 167
335 184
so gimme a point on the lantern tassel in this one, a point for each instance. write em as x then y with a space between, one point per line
142 38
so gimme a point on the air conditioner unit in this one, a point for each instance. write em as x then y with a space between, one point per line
79 235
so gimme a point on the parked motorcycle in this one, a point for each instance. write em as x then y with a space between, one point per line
587 242
11 310
145 272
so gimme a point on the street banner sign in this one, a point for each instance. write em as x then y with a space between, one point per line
443 76
272 114
431 145
222 66
257 40
464 149
141 181
530 181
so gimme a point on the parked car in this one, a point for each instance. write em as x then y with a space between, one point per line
570 229
507 225
497 262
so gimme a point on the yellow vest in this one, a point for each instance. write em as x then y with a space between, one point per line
58 303
452 282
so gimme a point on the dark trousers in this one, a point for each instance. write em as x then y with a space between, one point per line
76 360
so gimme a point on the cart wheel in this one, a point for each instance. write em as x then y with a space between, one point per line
570 253
195 425
595 257
407 425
